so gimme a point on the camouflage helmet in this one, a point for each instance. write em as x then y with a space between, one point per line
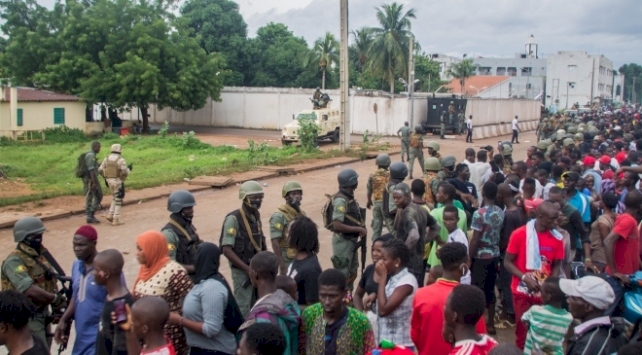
572 129
116 148
180 199
628 137
593 131
553 137
432 164
568 141
508 150
383 160
419 129
348 177
289 187
448 161
434 145
27 226
249 188
579 136
581 129
398 171
543 145
561 132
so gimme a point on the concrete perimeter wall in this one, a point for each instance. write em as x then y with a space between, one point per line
272 108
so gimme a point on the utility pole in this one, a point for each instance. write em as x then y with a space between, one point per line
344 76
411 80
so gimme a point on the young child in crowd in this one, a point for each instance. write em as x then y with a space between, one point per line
547 324
108 267
288 285
455 234
434 274
145 322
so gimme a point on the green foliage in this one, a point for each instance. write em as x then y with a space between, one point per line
462 71
110 136
308 133
427 72
162 132
190 140
631 71
324 55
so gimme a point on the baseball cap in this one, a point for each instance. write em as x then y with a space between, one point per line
608 174
589 161
605 159
620 157
571 175
592 289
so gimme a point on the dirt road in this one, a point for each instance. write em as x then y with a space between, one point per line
213 205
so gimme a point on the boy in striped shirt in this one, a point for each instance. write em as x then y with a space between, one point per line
547 324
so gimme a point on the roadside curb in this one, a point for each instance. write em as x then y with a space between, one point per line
8 219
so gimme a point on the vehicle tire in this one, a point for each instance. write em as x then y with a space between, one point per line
336 136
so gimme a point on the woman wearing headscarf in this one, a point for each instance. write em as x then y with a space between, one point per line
204 308
162 277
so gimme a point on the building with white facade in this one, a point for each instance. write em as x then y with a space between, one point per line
578 77
445 62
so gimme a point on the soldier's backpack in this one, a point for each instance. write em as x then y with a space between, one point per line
414 141
326 212
81 168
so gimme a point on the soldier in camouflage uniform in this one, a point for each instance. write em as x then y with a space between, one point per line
447 167
452 123
114 168
507 152
432 180
242 238
92 190
461 119
433 150
348 226
416 149
404 133
376 185
180 233
442 127
292 192
28 270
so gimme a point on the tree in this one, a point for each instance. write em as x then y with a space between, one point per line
219 28
390 48
324 53
427 72
631 71
362 42
462 71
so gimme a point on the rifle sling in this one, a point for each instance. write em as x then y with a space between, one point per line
180 228
250 234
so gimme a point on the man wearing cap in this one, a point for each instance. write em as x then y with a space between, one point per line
89 298
589 169
114 169
597 334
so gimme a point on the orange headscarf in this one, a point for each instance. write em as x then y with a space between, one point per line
154 246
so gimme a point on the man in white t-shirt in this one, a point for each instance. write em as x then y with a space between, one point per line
515 139
469 127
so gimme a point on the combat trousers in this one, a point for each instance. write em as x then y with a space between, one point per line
117 199
442 130
38 328
92 197
245 296
345 258
405 149
377 220
419 155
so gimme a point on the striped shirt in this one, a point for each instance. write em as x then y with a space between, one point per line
547 327
471 347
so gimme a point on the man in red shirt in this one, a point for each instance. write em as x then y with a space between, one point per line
525 286
622 249
427 320
464 308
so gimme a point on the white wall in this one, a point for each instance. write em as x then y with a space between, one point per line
272 108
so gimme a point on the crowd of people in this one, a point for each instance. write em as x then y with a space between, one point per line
545 245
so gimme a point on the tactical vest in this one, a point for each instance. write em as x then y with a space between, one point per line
41 277
290 214
379 180
243 246
414 140
353 215
386 199
187 244
429 197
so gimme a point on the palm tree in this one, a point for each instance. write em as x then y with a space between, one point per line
388 53
462 71
326 53
362 42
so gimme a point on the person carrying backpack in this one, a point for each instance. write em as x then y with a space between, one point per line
87 170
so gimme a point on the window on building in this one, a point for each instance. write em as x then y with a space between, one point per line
59 115
485 70
512 71
501 71
526 71
19 117
572 67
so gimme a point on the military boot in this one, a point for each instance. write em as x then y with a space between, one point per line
91 218
110 217
117 222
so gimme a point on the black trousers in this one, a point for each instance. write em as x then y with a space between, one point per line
469 136
514 139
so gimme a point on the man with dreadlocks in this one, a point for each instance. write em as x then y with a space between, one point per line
242 238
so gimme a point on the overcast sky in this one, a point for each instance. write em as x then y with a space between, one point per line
488 28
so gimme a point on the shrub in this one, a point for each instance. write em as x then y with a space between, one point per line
308 133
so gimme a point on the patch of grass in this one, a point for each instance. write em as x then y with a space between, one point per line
49 169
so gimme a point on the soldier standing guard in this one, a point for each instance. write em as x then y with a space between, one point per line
447 167
442 127
242 238
416 149
398 173
432 180
28 270
376 185
92 190
292 192
180 233
433 149
507 152
461 119
348 226
404 134
451 116
115 170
